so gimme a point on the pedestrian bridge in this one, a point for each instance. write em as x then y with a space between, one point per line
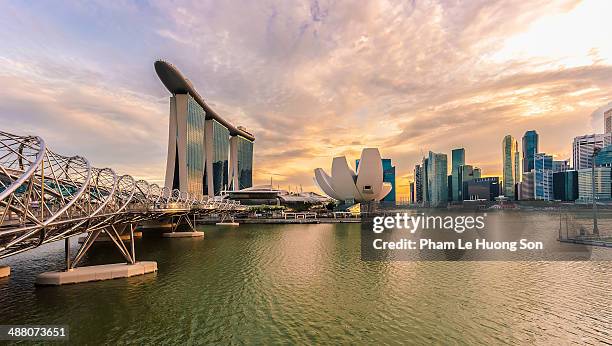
46 197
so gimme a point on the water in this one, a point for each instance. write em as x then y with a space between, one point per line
307 284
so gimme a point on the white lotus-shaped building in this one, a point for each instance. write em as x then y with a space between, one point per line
344 184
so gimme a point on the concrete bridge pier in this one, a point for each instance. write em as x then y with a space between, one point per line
183 219
73 275
5 271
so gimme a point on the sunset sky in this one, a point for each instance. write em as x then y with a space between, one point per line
311 80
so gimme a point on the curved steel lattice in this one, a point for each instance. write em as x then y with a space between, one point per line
46 197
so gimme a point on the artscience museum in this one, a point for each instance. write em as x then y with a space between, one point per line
344 184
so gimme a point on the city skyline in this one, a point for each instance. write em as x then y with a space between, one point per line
311 76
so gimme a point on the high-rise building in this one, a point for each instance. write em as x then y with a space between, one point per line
388 177
206 154
608 121
560 165
482 188
457 160
530 148
449 187
603 184
543 177
241 153
437 176
425 180
412 192
510 168
467 173
584 146
604 157
526 187
565 185
418 184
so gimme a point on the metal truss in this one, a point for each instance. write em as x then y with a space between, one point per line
46 197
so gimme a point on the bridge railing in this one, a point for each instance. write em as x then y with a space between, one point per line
45 196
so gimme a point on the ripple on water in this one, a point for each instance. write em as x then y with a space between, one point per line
307 284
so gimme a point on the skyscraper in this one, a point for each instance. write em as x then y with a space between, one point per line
560 165
565 185
526 187
584 146
418 184
466 174
437 176
389 177
510 168
604 157
206 153
603 185
425 181
608 121
458 160
530 148
543 177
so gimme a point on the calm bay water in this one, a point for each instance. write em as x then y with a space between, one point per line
307 284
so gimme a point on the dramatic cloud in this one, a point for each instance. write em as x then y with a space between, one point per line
311 80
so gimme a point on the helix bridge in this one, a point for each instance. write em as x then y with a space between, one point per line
47 197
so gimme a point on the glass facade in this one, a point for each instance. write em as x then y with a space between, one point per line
389 177
245 162
466 174
530 148
418 184
604 157
458 160
565 185
543 177
195 146
425 180
602 176
510 165
220 157
481 188
437 175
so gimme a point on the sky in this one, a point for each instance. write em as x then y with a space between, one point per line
310 79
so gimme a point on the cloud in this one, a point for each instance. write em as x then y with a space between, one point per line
311 79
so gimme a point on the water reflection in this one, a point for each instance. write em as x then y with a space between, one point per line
307 284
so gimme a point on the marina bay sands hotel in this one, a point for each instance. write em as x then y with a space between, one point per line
206 154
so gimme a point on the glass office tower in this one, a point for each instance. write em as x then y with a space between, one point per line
565 185
219 162
530 148
195 145
245 163
510 166
457 160
543 177
389 177
418 184
437 175
425 180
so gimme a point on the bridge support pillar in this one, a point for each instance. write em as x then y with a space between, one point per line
5 271
67 253
182 220
96 273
